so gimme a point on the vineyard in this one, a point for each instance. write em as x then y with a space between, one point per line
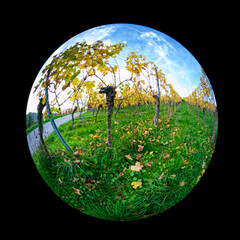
141 148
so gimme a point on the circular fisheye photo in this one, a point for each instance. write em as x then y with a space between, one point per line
121 122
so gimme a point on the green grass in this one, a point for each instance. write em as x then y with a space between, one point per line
179 151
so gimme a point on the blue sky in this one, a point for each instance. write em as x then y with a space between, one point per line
181 69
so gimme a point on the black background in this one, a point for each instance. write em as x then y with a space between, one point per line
41 30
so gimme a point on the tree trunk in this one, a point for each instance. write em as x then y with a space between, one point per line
157 97
110 96
118 107
40 125
215 125
169 108
74 110
157 106
98 108
203 110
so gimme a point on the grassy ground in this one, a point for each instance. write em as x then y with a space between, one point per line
100 181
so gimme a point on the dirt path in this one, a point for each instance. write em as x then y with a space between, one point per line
33 137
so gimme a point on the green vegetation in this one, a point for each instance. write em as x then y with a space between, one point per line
146 170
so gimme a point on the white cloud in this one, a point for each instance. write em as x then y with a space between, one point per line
107 42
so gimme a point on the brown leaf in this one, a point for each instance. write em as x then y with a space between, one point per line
136 184
140 141
149 164
91 144
60 181
77 161
139 156
88 185
137 167
182 183
128 157
77 191
140 148
145 133
120 174
162 176
82 180
166 156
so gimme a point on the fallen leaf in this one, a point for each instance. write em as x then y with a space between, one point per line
140 141
91 144
136 184
166 156
204 164
150 153
162 176
145 133
173 176
137 167
182 183
88 185
82 180
177 147
98 130
128 157
77 161
60 181
77 191
140 148
139 156
149 164
120 174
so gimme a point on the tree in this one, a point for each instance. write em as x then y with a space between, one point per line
29 120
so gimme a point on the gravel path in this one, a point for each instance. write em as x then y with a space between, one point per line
33 137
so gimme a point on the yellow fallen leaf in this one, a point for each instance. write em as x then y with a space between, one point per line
150 153
136 184
128 157
177 147
137 167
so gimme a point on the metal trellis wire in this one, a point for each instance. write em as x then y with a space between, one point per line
53 122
